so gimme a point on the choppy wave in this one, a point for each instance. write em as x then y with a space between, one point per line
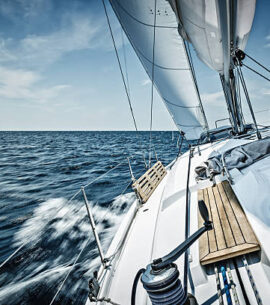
54 235
39 172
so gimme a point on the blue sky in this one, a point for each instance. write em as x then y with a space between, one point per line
58 70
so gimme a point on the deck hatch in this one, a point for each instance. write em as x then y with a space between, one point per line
149 181
232 234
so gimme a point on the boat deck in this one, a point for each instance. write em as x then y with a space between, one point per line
232 234
158 226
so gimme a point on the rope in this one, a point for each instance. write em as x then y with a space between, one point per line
99 177
262 110
219 292
4 262
226 285
238 92
125 60
186 44
232 285
63 282
256 72
257 62
135 284
125 83
18 249
111 204
187 220
69 200
152 87
247 99
252 282
119 64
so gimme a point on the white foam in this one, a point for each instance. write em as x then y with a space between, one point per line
70 218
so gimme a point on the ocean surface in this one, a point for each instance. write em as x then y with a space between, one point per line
39 173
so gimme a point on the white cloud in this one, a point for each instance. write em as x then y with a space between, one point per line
22 84
41 50
79 36
216 97
24 8
76 32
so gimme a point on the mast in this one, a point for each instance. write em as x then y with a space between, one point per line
227 15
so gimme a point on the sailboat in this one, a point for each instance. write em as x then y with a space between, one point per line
198 231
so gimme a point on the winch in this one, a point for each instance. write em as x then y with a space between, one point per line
161 278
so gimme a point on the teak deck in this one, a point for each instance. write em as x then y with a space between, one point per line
148 182
232 234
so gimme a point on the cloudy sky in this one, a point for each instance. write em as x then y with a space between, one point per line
58 70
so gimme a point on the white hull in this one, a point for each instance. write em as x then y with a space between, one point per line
159 226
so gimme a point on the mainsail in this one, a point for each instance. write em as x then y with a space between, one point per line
152 24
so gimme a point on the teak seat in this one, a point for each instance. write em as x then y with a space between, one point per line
148 182
232 234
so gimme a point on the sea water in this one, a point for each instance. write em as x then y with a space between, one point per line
39 173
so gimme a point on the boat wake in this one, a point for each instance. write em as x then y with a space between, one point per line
52 238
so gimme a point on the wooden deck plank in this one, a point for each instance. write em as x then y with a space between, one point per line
238 235
229 238
204 244
232 234
221 244
148 182
211 234
247 231
225 254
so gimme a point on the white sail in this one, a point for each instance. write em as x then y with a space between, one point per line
172 74
200 22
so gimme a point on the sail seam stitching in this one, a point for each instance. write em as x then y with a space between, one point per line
141 22
179 105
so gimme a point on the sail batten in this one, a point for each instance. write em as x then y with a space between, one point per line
172 72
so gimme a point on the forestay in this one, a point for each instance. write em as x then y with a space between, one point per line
172 73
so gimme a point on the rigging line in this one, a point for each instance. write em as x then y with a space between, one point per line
153 77
91 182
232 284
101 176
22 245
111 204
257 62
125 60
119 64
256 72
186 44
248 100
126 84
219 290
187 219
17 250
252 281
238 92
71 268
262 110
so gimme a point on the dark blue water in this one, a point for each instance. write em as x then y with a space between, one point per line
39 172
